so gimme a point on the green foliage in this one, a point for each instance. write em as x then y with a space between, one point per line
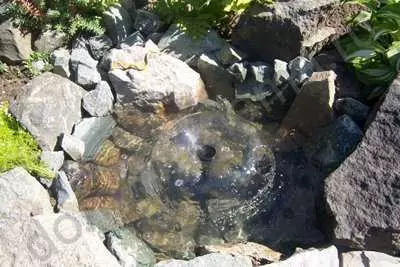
3 67
374 47
18 148
43 58
198 16
70 16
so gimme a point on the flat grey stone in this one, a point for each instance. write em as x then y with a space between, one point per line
118 23
84 68
73 146
228 55
50 40
53 159
48 106
135 38
93 132
65 197
60 60
210 260
99 102
14 45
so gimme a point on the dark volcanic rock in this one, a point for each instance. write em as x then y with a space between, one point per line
291 28
363 194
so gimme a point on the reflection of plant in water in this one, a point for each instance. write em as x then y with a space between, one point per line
18 148
374 48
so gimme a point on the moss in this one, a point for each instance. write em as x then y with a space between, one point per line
18 148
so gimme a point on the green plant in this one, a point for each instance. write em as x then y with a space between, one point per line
18 148
198 16
37 63
70 16
373 48
3 67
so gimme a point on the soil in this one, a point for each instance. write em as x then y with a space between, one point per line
11 83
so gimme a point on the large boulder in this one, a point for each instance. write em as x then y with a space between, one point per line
14 45
61 239
368 259
50 40
327 257
150 78
363 194
178 43
84 68
118 23
291 28
48 106
22 195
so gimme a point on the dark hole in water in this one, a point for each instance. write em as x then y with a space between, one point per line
206 153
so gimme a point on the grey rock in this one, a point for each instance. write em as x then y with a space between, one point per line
300 69
63 239
50 40
228 55
239 70
118 23
363 194
133 55
38 66
14 45
327 257
48 106
165 79
21 195
73 146
80 42
65 196
261 72
99 45
129 249
155 37
53 159
314 100
210 260
331 145
368 259
105 220
281 73
93 132
253 90
146 22
84 68
149 45
129 5
355 109
135 38
218 80
291 28
60 59
179 44
99 102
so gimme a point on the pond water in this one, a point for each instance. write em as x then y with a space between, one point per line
187 179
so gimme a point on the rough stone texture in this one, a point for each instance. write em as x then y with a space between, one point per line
218 80
331 145
99 45
363 194
129 249
123 58
146 22
210 260
311 258
179 44
14 45
368 259
66 199
84 68
259 253
355 109
73 146
50 40
48 106
281 74
21 195
291 28
228 55
62 239
53 159
300 69
118 23
60 59
135 38
315 100
164 79
99 102
93 132
105 220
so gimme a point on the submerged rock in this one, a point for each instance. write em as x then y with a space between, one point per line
48 106
363 194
